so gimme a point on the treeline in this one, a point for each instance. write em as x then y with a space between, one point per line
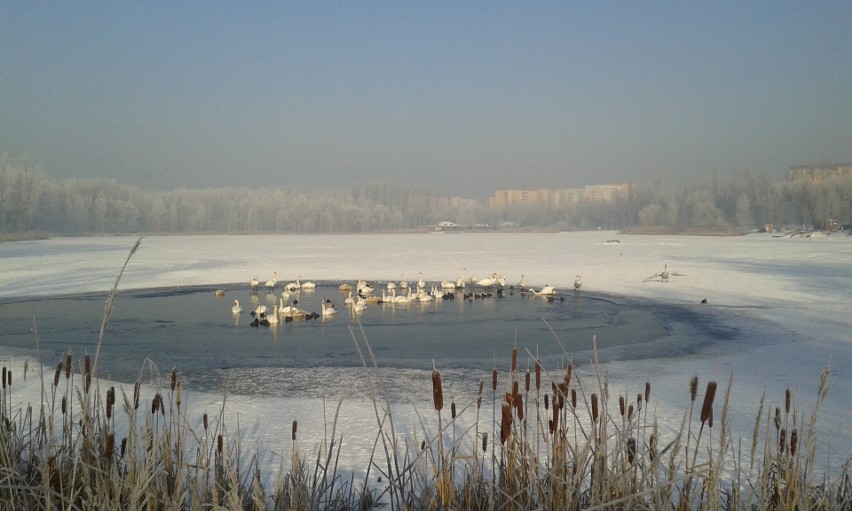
31 200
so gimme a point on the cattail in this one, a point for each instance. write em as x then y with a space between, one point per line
574 398
453 409
219 444
204 421
709 396
515 388
9 376
173 379
630 412
506 422
550 426
64 405
485 442
537 375
787 401
294 429
777 418
110 401
514 359
563 394
594 407
639 401
4 377
437 390
136 388
110 445
87 364
67 366
652 447
494 379
155 404
710 419
648 390
423 445
479 396
123 446
568 371
631 449
782 440
58 373
527 381
178 399
546 401
519 406
621 406
794 441
693 387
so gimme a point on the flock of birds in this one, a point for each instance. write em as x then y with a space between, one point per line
363 293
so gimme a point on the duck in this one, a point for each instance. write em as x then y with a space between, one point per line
578 283
237 308
219 293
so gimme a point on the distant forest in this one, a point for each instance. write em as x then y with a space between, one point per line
33 202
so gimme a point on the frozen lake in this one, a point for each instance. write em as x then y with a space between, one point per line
777 312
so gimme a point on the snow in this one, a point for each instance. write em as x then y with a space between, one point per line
789 298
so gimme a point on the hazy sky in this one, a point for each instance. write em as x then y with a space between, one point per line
464 96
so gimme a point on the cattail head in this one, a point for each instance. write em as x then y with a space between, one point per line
594 407
546 401
58 373
423 445
178 394
4 377
787 399
568 372
64 405
652 447
516 388
173 379
693 387
87 365
709 396
631 449
109 448
494 379
794 441
506 422
630 413
293 430
110 401
437 390
136 388
123 446
519 406
777 418
479 396
537 375
453 409
514 359
219 442
527 381
782 440
485 442
574 398
67 366
622 407
648 391
204 421
155 403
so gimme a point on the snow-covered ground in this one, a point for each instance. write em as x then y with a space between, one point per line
789 299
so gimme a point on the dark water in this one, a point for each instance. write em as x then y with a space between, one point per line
192 329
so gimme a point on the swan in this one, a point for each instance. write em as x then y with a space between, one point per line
306 285
460 281
403 284
402 298
423 296
665 274
577 283
360 304
254 284
364 288
292 286
270 284
272 319
349 300
420 283
259 311
436 294
345 287
328 307
220 293
545 291
501 280
391 286
488 281
236 309
448 285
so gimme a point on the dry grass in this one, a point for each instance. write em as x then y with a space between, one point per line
556 442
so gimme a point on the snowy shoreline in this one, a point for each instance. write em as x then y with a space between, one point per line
801 287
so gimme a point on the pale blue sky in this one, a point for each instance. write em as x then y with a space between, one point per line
464 96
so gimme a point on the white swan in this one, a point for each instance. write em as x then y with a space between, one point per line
305 285
328 308
292 286
273 318
545 291
423 296
259 310
360 304
578 283
403 284
522 283
236 309
436 294
270 284
391 286
402 298
254 283
488 281
665 274
364 288
349 300
447 285
420 283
